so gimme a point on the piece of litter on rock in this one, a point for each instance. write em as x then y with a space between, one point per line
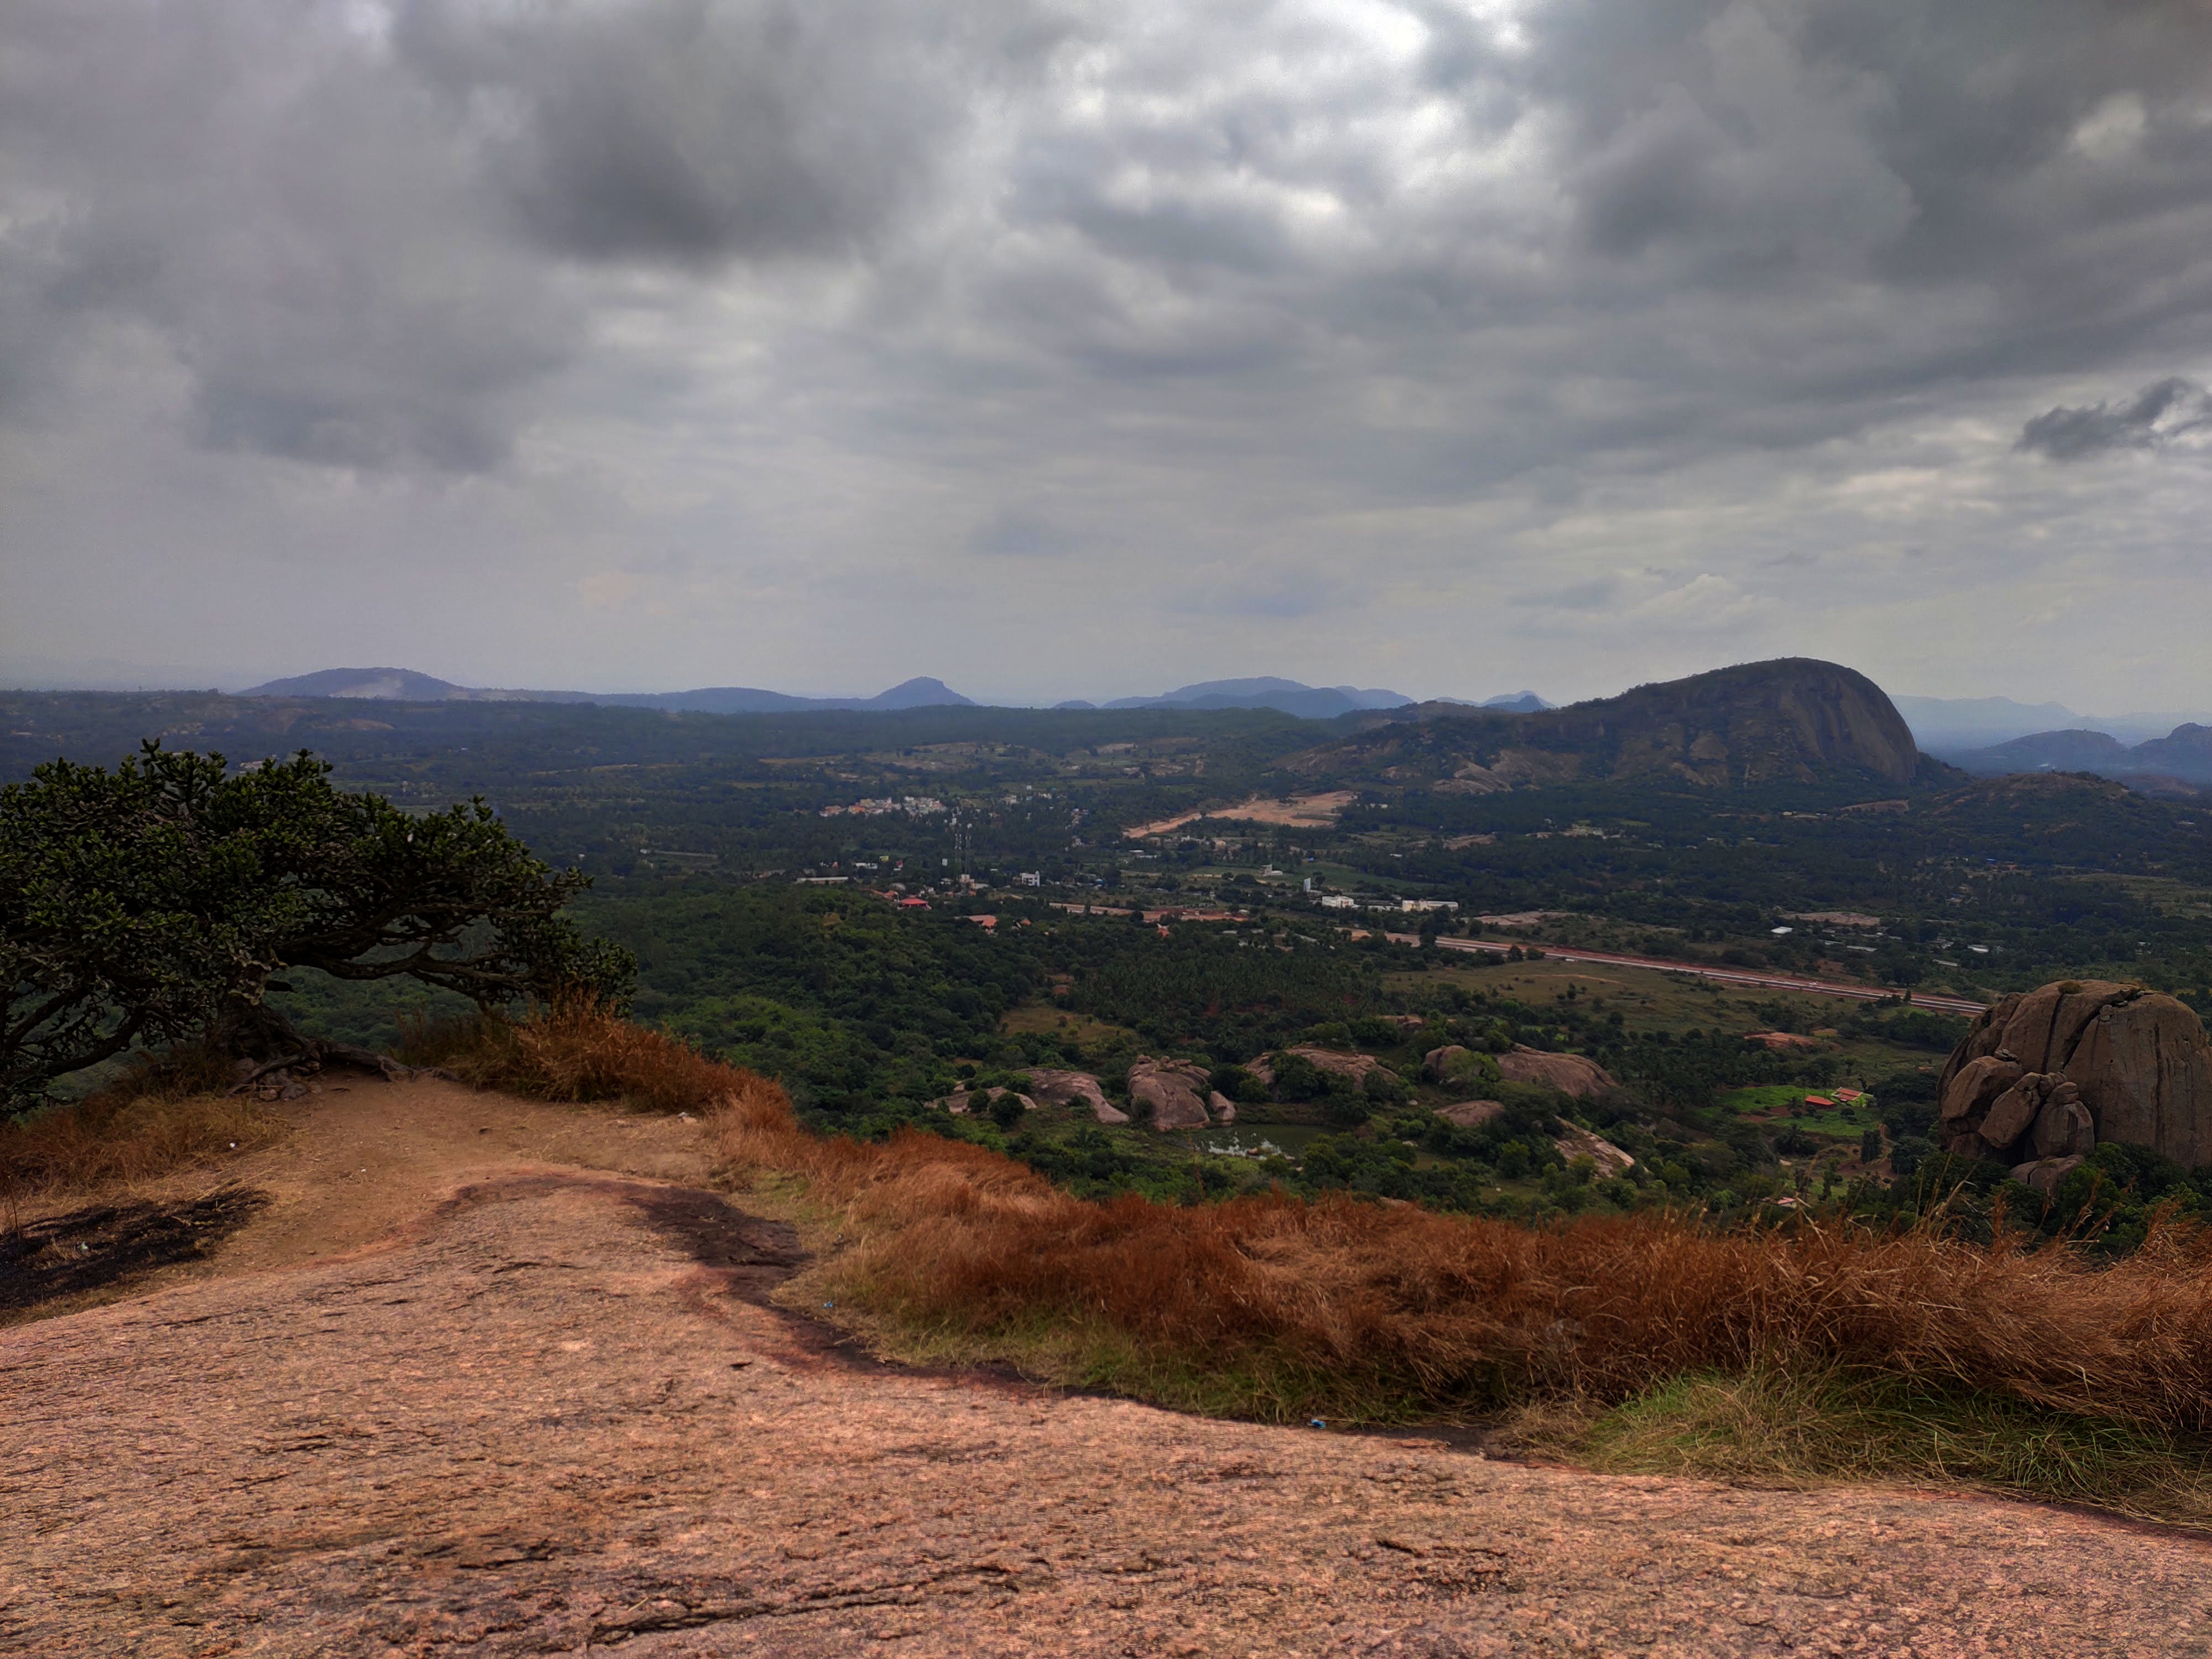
1318 1423
686 1116
829 1304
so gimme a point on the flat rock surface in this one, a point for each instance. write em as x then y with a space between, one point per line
549 1414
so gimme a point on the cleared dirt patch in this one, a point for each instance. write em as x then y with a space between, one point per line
1298 812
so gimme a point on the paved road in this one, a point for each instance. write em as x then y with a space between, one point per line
1824 988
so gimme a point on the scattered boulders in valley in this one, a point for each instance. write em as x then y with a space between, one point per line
1174 1091
1570 1074
1353 1068
1472 1114
1574 1141
2044 1075
1057 1088
961 1102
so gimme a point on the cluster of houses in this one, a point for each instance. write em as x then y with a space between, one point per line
1395 906
919 806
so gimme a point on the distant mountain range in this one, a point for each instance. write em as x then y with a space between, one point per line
1952 727
1289 696
405 685
2183 757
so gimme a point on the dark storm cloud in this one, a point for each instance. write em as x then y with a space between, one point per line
339 218
2152 418
690 130
1594 312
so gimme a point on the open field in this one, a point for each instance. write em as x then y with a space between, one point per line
1760 979
1062 1023
1777 1104
1676 1003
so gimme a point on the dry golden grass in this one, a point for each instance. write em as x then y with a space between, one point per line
571 1051
157 1119
1278 1308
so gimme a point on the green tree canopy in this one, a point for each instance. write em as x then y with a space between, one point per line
152 904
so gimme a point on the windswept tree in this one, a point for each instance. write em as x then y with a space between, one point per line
153 904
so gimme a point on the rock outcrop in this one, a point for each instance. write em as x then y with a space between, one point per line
1174 1091
961 1102
1454 1063
1574 1141
2045 1074
1353 1068
1080 1089
1570 1074
1438 1062
1472 1114
1754 723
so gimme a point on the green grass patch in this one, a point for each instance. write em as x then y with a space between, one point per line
1839 1123
1774 1426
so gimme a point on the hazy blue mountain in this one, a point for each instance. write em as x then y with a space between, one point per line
2185 753
2072 751
1289 696
1940 725
921 692
405 685
391 685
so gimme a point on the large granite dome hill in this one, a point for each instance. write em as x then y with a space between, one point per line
1792 720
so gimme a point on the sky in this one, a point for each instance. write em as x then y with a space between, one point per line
1090 348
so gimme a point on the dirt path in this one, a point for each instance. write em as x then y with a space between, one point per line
548 1415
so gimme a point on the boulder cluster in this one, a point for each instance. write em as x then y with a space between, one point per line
2044 1075
1178 1093
1058 1088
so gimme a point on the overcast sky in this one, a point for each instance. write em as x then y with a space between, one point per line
1066 348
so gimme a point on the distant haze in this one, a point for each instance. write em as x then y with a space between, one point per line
1054 349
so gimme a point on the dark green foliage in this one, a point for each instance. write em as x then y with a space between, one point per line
153 903
835 992
1235 995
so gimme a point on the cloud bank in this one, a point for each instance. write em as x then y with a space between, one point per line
1451 345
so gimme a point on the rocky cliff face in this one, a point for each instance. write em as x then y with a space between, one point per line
2045 1074
1759 722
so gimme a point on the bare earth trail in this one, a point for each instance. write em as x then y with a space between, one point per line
514 1393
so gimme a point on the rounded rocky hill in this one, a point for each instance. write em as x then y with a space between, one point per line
1754 723
1792 720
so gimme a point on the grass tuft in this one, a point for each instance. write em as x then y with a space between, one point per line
574 1050
164 1113
1774 1426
